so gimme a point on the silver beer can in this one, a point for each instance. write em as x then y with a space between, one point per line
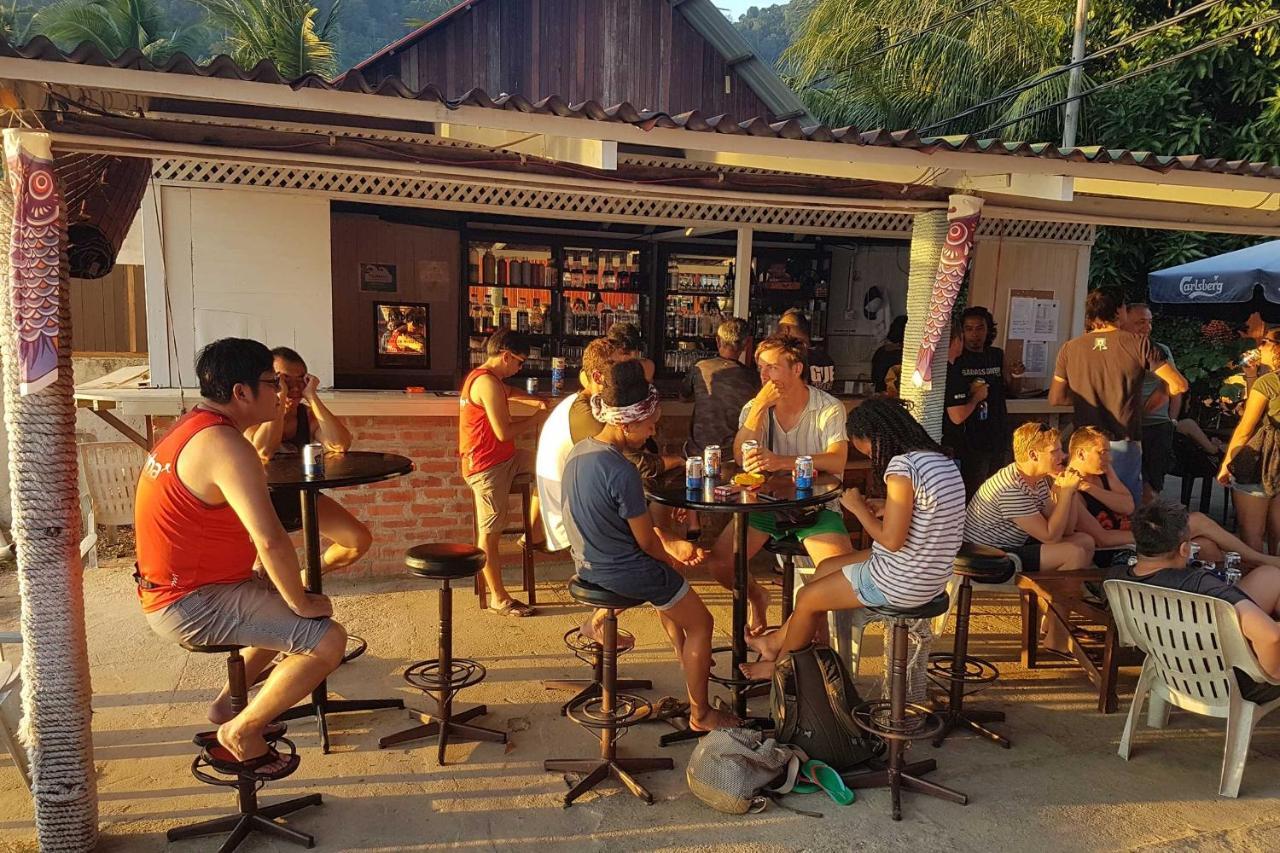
711 461
693 473
313 459
749 445
531 385
1193 554
1231 568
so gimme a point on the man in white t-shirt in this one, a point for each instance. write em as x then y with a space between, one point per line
1027 508
788 418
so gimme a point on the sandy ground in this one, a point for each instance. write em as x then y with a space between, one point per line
1061 787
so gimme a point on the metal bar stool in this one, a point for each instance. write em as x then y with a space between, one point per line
957 669
521 485
591 653
251 816
446 675
787 549
899 722
608 714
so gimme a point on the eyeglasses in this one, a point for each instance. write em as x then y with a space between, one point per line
520 359
274 381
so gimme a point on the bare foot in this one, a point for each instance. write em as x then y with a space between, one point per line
595 633
759 670
758 620
241 743
713 718
766 645
220 711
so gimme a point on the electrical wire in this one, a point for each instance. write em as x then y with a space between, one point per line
1177 57
1063 69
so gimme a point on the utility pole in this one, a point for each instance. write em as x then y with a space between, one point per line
1071 119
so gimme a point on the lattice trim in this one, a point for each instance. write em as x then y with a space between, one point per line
458 194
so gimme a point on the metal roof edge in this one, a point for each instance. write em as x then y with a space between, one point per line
720 33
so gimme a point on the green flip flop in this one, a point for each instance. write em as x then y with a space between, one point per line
826 779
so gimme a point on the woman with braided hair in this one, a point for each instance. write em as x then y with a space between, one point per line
916 531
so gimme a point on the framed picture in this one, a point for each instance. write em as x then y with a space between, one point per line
401 337
378 278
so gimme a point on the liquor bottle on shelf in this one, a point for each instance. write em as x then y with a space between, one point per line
526 272
503 320
489 268
521 323
548 274
624 273
537 319
609 274
473 264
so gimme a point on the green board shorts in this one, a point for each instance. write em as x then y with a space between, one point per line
827 522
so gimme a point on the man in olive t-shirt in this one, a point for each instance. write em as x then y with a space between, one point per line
1099 375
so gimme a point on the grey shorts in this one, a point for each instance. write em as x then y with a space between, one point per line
249 613
492 488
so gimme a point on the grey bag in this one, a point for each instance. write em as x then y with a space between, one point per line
730 769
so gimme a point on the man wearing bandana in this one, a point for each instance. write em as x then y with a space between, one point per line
613 538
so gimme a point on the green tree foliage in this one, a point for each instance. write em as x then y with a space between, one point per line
116 26
290 33
769 29
840 65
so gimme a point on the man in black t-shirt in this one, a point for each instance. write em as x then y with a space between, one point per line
822 370
977 384
1162 537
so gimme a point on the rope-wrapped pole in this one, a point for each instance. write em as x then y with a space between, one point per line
928 235
39 414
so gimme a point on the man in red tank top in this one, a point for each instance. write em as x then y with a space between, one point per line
490 461
202 515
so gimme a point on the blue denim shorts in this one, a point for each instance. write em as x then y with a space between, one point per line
653 582
859 577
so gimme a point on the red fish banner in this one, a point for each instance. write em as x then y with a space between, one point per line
963 214
34 256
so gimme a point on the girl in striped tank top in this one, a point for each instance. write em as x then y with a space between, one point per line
916 530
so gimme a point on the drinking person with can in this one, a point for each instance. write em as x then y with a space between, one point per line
302 421
788 418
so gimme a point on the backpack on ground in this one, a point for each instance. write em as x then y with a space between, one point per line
734 770
811 700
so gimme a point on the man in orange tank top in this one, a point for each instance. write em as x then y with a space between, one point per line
202 515
490 461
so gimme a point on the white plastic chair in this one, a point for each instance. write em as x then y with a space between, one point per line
1193 645
11 708
111 470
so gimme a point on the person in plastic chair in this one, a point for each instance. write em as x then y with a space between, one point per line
303 418
1163 537
202 515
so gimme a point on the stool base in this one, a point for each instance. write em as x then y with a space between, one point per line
455 727
590 689
596 770
972 720
907 777
260 819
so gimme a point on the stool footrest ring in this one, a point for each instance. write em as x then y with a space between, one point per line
918 722
586 649
463 672
628 708
731 680
975 670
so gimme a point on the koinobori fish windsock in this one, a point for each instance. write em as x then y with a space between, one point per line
962 223
35 256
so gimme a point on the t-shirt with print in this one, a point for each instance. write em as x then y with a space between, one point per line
978 432
1184 578
920 569
1150 382
822 370
602 492
1104 371
821 424
719 387
1001 499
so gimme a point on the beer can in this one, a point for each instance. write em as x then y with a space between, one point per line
693 472
804 472
711 461
531 385
749 445
1193 554
313 459
1231 568
557 377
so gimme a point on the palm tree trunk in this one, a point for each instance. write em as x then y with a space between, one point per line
45 499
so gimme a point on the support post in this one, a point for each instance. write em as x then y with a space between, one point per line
40 417
742 275
928 234
1071 117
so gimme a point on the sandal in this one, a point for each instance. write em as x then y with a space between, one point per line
666 708
273 732
268 767
513 608
540 545
826 779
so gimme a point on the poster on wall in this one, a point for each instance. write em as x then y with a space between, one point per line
378 278
401 335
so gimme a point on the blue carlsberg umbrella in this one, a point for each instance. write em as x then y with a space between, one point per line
1225 278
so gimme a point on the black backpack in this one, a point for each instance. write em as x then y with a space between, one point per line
811 700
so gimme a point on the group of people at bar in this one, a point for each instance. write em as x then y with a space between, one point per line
206 519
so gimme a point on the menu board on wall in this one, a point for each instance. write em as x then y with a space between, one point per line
1032 328
378 278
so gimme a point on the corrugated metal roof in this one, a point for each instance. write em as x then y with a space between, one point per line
222 67
709 23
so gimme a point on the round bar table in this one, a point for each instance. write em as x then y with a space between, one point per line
777 493
353 468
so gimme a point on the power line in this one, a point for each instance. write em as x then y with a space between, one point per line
1063 69
968 10
1136 72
